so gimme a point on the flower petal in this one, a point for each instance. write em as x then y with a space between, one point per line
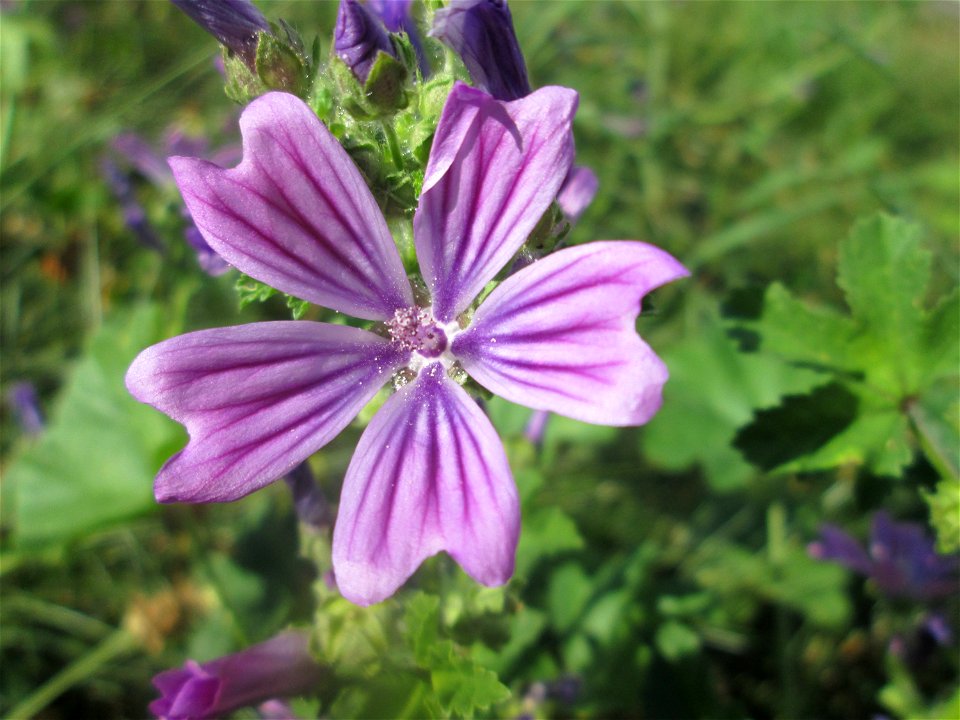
560 335
494 169
296 213
429 474
256 399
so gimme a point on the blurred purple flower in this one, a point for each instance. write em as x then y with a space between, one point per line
311 505
536 426
577 192
150 165
481 33
429 472
22 398
901 561
234 23
134 215
279 667
358 38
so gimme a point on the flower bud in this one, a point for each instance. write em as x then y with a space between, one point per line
235 23
481 32
359 37
279 667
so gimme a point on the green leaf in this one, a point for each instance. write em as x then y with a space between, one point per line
547 531
570 590
884 272
944 504
423 625
466 687
713 390
878 438
675 640
805 334
94 465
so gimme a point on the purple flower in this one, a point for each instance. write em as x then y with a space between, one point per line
901 561
279 667
145 160
481 33
429 472
22 398
311 505
577 192
396 17
359 37
234 23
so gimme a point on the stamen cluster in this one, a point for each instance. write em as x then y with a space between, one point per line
414 328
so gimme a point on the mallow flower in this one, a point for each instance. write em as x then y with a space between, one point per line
901 559
429 472
279 667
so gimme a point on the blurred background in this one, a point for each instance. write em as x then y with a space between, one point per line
663 571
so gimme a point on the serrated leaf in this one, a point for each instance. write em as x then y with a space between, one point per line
805 334
799 425
878 438
95 463
713 390
466 687
423 625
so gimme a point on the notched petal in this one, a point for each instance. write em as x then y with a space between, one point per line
560 334
296 213
429 474
495 168
256 399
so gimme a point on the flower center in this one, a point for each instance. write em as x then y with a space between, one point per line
414 328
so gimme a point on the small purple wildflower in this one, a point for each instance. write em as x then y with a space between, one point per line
536 427
429 472
901 561
481 33
279 667
311 505
577 192
134 215
22 398
149 164
359 37
236 24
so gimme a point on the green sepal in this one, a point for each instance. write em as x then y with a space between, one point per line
281 63
242 84
386 85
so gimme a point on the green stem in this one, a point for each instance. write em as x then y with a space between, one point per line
63 618
393 144
116 644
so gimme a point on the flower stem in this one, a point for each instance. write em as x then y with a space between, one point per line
116 644
393 144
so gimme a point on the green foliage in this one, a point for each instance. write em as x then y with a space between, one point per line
891 351
714 389
94 466
944 505
661 571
